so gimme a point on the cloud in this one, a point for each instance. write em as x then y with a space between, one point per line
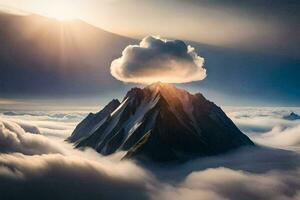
13 138
56 176
224 184
57 124
53 116
29 128
280 137
266 126
156 59
35 167
54 170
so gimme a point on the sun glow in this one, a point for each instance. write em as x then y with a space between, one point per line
58 9
62 17
62 11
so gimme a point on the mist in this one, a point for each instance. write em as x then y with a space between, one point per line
40 166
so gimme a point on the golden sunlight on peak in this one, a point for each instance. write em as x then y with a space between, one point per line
158 86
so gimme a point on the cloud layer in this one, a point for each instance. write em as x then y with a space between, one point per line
55 176
57 124
14 138
267 126
156 59
33 166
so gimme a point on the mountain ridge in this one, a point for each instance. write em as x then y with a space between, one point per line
58 59
163 123
55 57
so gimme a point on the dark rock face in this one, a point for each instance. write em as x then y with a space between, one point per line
292 116
162 123
90 123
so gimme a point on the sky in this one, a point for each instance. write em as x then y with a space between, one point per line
270 25
249 48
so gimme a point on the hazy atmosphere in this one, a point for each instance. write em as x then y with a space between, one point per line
250 48
128 99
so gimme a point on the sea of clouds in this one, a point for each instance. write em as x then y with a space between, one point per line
56 124
36 163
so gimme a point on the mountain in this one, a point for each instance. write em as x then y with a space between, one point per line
92 121
292 116
72 59
49 56
162 123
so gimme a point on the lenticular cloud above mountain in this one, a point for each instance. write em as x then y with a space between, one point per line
156 59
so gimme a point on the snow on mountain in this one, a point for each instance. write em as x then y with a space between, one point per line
93 121
160 122
292 116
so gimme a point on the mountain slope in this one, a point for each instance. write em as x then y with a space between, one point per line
92 122
52 57
73 58
163 123
292 116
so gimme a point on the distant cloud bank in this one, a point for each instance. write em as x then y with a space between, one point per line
156 59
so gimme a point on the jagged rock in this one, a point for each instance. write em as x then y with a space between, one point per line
162 123
92 122
292 116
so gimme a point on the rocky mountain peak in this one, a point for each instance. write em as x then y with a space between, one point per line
162 123
292 116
